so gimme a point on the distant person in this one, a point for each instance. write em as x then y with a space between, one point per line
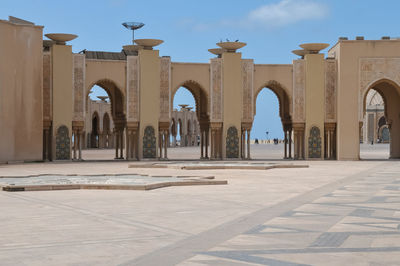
372 142
256 141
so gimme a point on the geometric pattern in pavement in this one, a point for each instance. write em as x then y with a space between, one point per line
360 218
368 223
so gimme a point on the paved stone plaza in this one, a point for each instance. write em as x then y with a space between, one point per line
332 213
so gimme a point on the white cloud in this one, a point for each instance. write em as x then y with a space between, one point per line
278 14
286 12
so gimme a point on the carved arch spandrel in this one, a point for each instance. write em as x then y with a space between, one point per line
374 71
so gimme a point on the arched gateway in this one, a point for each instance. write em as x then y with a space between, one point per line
317 90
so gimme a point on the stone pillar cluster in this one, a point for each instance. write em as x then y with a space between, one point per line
216 137
132 148
163 143
298 132
330 141
245 143
119 139
288 141
77 131
204 141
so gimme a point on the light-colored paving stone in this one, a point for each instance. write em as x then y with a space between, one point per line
331 213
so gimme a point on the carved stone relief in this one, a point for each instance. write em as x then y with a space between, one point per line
79 87
165 94
330 90
247 77
216 90
132 98
299 87
47 103
374 69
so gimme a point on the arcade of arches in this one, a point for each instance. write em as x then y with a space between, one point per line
328 101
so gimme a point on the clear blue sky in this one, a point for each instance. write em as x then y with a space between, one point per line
271 28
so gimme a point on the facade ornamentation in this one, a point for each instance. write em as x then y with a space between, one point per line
248 93
330 90
216 90
375 69
299 90
314 143
149 143
63 151
165 92
232 143
133 88
79 87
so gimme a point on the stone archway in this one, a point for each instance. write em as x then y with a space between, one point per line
202 112
118 113
285 104
390 92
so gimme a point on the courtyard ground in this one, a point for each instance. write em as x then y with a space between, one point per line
332 213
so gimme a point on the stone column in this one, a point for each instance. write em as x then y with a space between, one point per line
201 143
290 143
75 140
166 137
128 145
242 144
212 144
122 144
116 143
80 145
248 144
206 136
302 144
46 145
286 142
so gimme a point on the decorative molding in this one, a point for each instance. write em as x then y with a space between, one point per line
371 71
216 94
248 90
299 91
330 90
47 88
79 87
165 89
132 88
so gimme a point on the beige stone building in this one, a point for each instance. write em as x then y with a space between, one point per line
99 126
375 128
184 123
322 96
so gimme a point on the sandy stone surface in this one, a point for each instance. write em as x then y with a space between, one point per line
331 213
